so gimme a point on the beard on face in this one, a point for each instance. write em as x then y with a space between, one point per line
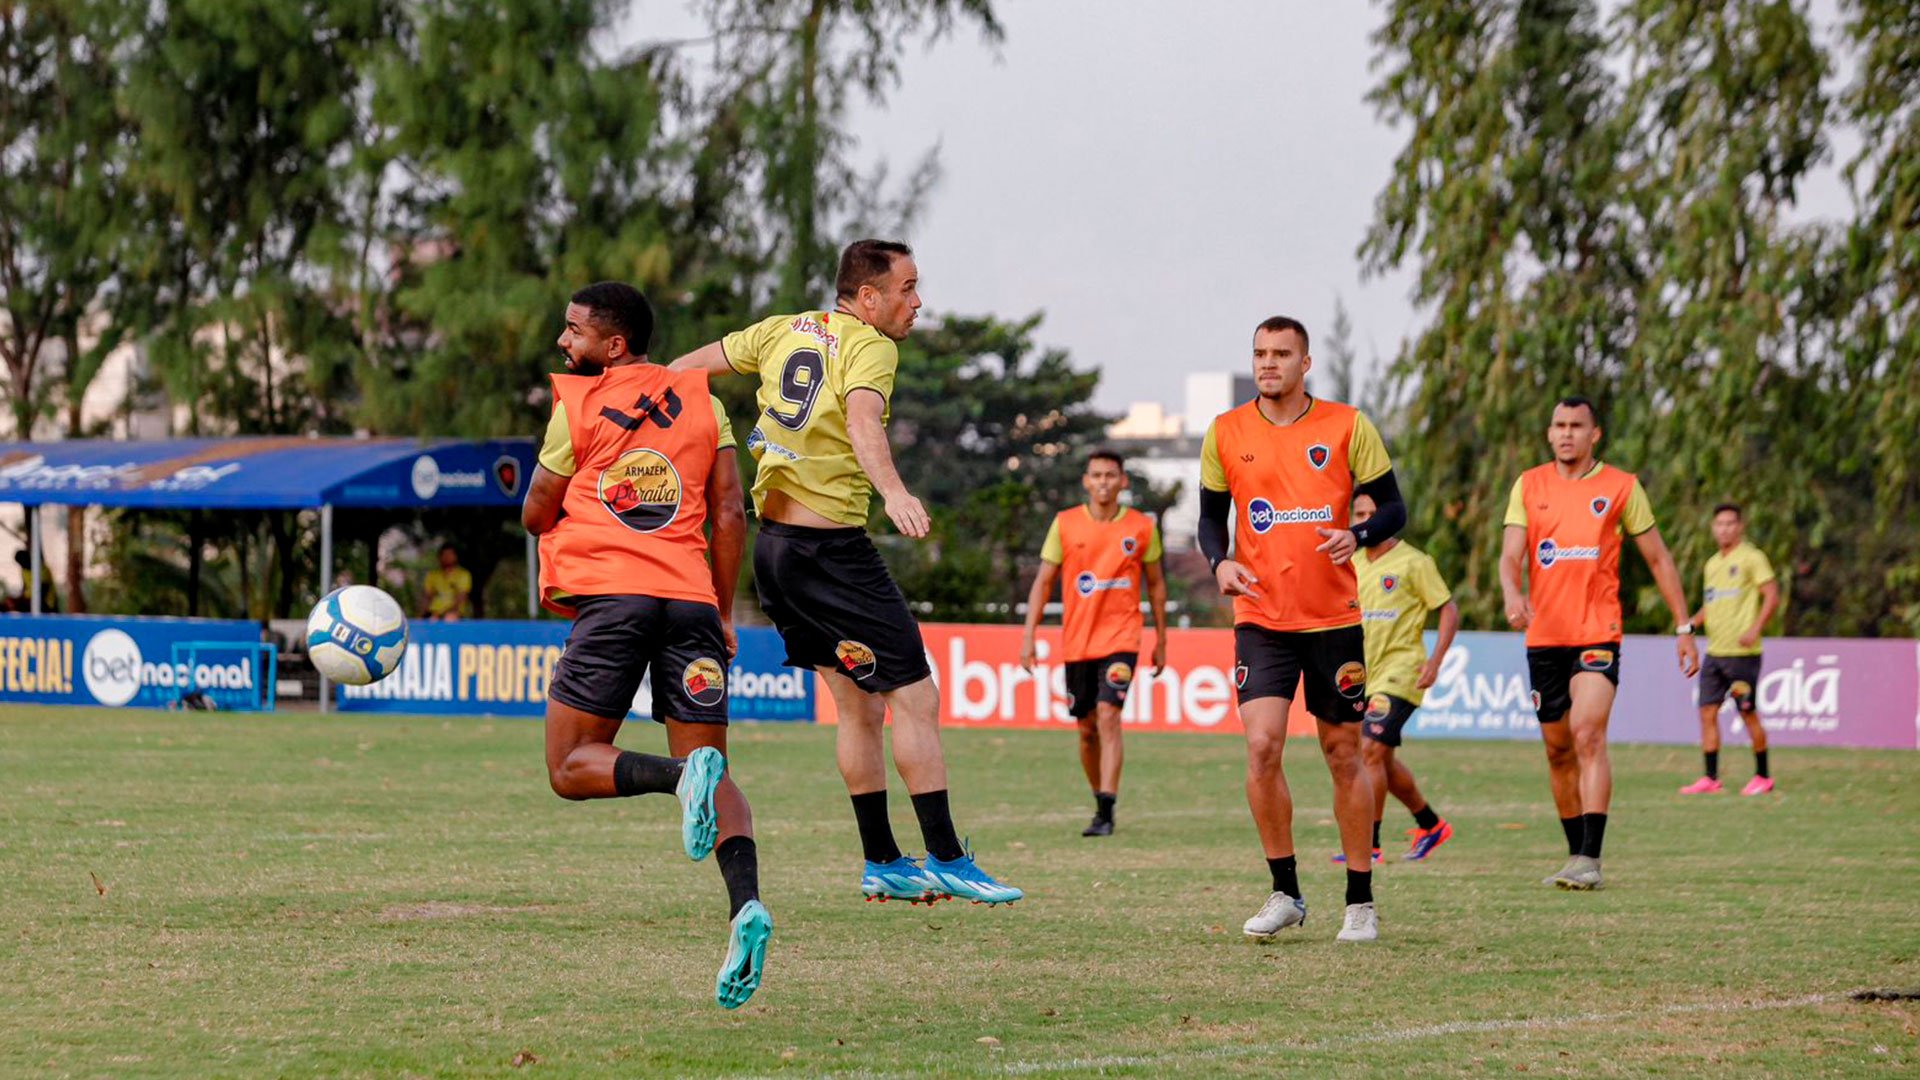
583 367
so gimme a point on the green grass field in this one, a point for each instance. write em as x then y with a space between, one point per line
198 895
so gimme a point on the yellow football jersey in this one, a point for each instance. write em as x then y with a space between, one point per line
556 449
808 364
1398 590
1732 598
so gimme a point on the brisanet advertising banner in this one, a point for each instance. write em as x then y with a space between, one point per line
102 660
1813 691
502 669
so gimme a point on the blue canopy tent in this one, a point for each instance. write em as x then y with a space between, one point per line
269 473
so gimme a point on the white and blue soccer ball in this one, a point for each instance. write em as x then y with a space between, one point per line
356 635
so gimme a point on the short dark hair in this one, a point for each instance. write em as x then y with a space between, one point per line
1105 454
1580 401
1729 507
864 262
1285 322
618 308
448 546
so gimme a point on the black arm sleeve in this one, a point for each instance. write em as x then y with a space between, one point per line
1215 508
1389 513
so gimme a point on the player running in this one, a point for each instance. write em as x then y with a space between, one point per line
1292 465
1741 595
1105 550
821 443
1399 586
629 470
1563 528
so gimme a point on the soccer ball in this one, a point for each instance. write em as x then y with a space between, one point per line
356 635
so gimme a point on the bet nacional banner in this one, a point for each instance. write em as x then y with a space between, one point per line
119 662
1812 692
501 668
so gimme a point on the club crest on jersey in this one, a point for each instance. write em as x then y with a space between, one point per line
1351 679
705 681
1389 582
1119 675
1596 659
1378 706
1599 505
1129 545
856 659
1318 455
641 489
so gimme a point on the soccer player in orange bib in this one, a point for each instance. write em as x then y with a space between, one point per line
1564 525
826 378
636 459
1289 465
1104 550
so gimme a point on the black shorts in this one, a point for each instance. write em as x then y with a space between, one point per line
829 594
1271 663
1386 716
1723 677
1099 682
1551 669
616 639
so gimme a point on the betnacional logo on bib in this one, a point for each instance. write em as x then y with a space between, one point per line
705 681
1263 515
642 489
1548 553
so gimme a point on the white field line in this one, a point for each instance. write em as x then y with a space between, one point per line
1367 1038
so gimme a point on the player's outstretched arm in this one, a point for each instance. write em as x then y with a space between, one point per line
1666 576
1513 560
1036 609
1449 626
869 437
544 495
710 358
727 510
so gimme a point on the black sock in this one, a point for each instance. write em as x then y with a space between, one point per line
1596 834
1713 763
876 832
1376 835
1760 763
739 861
936 825
1286 876
1359 886
1576 829
646 774
1103 805
1425 818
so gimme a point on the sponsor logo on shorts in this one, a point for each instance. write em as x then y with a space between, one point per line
1318 455
1240 676
705 681
1378 707
642 490
1599 506
1741 690
1351 679
1548 553
1596 659
1263 515
1536 700
1389 582
1119 674
856 659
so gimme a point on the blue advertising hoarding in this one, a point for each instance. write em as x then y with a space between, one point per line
101 660
502 669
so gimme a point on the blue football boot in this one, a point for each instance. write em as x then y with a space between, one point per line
699 826
962 880
901 879
746 956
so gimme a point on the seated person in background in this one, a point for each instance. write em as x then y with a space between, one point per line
448 587
22 601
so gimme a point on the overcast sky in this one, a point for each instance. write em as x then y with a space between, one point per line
1156 177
